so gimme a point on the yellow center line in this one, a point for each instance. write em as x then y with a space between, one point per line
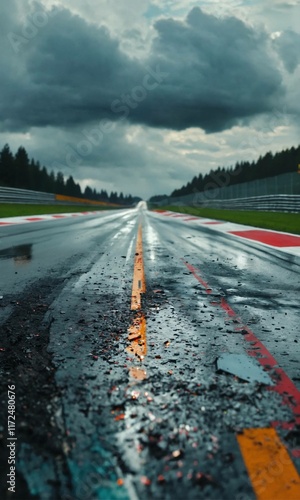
139 283
270 468
137 329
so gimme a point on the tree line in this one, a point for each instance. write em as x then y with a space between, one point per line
21 172
268 165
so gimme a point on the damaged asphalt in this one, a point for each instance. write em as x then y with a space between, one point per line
86 427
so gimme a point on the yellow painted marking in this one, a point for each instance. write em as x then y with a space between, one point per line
138 373
139 284
137 336
270 468
137 330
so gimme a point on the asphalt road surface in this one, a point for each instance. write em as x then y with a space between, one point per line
147 358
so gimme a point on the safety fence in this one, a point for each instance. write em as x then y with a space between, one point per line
280 193
271 203
15 195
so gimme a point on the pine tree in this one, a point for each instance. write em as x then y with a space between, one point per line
60 183
7 167
22 169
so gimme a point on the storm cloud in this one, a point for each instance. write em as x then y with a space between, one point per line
220 71
142 98
288 48
205 72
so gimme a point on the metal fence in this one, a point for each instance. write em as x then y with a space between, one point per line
15 195
280 193
271 203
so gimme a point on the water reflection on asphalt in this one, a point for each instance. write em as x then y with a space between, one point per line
20 254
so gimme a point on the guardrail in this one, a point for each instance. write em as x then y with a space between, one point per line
15 195
277 193
267 203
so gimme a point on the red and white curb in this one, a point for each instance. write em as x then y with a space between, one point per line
12 221
285 242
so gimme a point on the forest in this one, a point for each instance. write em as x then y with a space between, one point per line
268 165
19 171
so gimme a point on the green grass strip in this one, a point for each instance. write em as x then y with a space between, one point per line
278 221
20 209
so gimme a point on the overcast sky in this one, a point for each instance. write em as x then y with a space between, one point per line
139 96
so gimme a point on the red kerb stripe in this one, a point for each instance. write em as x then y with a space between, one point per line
269 238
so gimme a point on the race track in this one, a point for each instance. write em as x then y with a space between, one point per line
152 357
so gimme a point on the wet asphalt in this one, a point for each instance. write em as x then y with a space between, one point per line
171 435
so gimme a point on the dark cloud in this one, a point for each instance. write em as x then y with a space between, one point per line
73 72
205 72
288 47
220 71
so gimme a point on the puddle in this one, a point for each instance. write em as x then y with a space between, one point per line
255 302
244 367
21 254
